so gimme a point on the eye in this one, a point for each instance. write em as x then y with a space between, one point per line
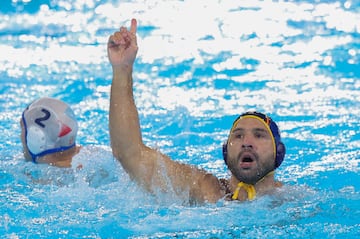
238 136
259 135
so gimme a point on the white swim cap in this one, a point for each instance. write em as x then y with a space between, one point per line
50 126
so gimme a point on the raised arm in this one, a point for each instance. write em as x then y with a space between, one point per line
150 168
126 141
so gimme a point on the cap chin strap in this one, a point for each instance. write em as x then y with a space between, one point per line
50 151
249 188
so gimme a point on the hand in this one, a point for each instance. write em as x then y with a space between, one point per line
122 46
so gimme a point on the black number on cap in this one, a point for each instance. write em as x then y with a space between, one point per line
43 118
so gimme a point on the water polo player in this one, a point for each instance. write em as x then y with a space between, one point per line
252 152
48 132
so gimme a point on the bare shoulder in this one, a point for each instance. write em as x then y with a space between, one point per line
210 188
201 185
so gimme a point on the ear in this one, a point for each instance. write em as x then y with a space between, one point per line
224 151
280 154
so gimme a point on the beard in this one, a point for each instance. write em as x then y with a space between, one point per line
248 168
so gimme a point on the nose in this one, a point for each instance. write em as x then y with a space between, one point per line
247 146
247 142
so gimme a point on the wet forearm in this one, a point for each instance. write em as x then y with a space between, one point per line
123 118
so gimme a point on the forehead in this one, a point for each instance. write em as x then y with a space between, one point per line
250 123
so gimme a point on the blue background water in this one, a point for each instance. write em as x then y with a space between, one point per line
199 65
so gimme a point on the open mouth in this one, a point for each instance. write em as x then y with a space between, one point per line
246 160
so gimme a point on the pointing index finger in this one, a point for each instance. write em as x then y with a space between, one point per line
133 26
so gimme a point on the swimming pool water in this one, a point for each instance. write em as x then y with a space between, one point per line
200 64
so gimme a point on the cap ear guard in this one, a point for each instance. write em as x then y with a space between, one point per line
35 140
280 154
224 151
37 146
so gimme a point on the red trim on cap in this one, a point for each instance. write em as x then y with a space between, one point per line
64 130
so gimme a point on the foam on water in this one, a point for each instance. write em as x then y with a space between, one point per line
199 65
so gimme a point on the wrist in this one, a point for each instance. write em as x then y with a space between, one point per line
121 69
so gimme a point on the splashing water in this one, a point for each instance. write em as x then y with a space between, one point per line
200 64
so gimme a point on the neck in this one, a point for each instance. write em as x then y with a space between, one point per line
245 191
61 159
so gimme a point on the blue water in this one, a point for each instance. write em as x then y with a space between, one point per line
199 65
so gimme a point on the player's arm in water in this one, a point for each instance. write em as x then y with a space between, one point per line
150 168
